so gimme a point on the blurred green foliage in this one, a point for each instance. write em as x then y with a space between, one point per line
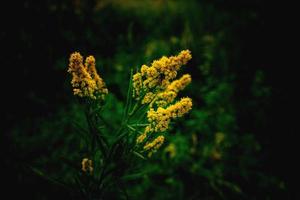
207 154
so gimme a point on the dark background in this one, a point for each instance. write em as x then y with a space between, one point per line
33 38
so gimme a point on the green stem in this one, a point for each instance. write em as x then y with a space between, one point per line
128 97
139 155
134 109
94 132
131 128
139 125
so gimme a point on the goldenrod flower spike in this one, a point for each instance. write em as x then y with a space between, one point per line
90 64
141 138
87 165
85 80
166 97
144 69
180 84
184 56
170 66
181 107
148 98
137 84
159 74
82 82
155 144
75 62
155 85
160 119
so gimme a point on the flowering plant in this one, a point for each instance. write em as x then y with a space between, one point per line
150 107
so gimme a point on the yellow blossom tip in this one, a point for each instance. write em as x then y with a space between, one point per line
76 58
155 144
160 73
86 81
141 138
87 165
90 60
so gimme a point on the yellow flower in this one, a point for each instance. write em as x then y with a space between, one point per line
165 98
87 165
148 98
151 72
85 80
90 64
180 84
75 62
159 119
181 107
159 74
184 57
155 144
144 69
82 82
141 138
155 85
137 84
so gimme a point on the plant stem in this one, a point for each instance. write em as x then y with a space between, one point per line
131 128
133 110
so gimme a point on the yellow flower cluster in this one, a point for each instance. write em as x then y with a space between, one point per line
180 84
87 165
155 144
166 97
160 119
158 75
141 137
86 81
155 85
181 107
101 89
137 84
148 98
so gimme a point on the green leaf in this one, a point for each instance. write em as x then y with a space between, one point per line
139 155
129 96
